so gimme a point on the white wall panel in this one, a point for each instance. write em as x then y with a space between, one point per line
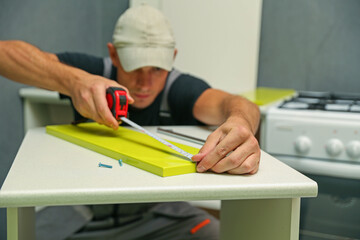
217 40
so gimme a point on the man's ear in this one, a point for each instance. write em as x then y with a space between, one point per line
175 53
113 55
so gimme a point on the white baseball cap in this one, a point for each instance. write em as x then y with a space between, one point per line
143 37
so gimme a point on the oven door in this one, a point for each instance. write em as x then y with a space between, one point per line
335 213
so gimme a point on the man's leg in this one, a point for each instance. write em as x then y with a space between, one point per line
60 222
176 220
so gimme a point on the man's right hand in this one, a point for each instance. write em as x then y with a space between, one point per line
89 99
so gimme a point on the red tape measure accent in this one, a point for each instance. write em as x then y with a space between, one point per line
117 102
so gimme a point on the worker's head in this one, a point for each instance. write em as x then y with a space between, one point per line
143 51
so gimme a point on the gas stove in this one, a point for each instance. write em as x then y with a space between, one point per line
324 101
316 133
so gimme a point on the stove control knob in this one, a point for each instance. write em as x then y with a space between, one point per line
334 147
302 145
353 149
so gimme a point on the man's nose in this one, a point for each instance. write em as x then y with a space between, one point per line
144 79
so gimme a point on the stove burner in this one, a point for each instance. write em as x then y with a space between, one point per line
341 101
324 101
295 105
337 107
355 108
308 100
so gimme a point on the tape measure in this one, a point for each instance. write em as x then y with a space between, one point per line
118 104
117 101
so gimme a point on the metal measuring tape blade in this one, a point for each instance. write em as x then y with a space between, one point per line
172 146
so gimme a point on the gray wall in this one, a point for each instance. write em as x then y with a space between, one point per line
310 45
54 26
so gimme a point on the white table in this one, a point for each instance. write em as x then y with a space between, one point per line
48 171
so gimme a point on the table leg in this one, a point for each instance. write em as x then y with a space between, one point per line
21 223
260 219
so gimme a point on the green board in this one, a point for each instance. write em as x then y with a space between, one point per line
134 148
263 95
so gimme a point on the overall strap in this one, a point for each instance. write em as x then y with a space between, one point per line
164 107
107 67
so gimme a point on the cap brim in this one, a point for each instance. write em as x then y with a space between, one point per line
132 58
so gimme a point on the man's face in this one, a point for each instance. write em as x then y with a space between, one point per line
144 84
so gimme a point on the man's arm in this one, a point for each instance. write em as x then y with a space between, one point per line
24 63
232 147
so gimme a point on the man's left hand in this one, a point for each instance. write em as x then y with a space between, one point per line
231 148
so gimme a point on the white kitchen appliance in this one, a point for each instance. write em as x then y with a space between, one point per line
318 133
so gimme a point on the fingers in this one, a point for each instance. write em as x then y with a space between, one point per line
102 110
211 142
221 144
235 152
238 163
130 99
90 100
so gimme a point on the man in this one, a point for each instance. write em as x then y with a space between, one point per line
142 54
